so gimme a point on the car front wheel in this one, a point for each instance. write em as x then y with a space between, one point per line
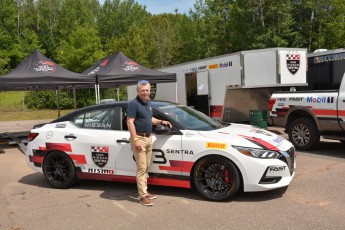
216 178
58 169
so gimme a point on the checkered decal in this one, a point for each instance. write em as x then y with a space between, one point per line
293 57
100 149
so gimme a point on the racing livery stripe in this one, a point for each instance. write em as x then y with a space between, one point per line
35 159
80 159
59 146
132 179
260 142
42 148
325 112
179 166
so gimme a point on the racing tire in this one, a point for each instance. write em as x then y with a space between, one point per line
59 170
216 178
303 134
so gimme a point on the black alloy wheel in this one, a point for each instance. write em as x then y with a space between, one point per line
216 178
59 170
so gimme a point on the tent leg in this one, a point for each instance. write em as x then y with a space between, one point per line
118 93
74 98
58 102
23 102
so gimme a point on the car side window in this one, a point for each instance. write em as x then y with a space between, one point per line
96 119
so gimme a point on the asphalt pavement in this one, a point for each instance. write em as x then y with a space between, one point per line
314 200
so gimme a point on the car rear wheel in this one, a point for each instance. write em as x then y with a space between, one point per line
303 134
216 178
59 170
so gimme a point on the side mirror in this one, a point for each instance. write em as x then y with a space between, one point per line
161 129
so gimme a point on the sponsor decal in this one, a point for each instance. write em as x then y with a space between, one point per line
97 125
179 151
202 67
278 139
216 145
281 104
101 171
100 155
105 63
295 98
259 131
131 66
94 71
331 57
293 62
320 99
153 91
45 66
281 99
276 168
213 66
60 126
225 64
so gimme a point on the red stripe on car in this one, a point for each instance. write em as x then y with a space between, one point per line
132 179
59 146
80 159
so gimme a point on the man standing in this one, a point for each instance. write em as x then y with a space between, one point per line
139 122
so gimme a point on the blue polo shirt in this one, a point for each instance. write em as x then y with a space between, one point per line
142 114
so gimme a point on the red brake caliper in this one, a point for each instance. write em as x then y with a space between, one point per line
226 176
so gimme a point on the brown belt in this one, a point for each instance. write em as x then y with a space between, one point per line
144 134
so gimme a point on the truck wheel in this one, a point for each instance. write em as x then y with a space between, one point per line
59 170
303 134
216 178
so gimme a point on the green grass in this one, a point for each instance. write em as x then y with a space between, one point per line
11 109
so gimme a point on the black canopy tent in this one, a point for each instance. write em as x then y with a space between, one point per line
119 70
37 72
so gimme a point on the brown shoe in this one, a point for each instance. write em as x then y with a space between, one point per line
146 201
151 196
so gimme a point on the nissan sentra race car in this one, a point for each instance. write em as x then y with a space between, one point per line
93 143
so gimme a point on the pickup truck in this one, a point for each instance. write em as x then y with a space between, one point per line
309 115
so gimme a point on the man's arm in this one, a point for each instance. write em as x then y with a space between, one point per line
131 127
156 121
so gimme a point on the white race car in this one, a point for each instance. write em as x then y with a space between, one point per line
93 143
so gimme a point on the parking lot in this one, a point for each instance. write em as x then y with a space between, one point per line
314 200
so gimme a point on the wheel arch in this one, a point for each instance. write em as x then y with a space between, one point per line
298 112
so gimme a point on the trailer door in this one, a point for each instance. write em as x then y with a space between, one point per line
197 86
341 104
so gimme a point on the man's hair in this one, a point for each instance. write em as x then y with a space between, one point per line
142 82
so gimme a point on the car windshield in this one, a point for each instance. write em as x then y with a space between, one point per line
188 117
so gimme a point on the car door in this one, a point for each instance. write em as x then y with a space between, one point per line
95 139
166 154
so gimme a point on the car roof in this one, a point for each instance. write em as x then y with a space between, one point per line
108 105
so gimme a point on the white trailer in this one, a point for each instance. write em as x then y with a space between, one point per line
226 87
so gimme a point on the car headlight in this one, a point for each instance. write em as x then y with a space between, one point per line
258 153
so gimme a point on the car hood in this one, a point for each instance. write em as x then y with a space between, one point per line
248 136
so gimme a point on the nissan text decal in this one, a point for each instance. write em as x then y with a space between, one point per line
131 66
293 62
45 66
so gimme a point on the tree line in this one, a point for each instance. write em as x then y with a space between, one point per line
77 33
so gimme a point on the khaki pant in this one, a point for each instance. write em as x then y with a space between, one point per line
143 161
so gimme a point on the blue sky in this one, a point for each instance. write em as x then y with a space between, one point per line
165 6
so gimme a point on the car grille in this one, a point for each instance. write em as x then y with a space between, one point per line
289 158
